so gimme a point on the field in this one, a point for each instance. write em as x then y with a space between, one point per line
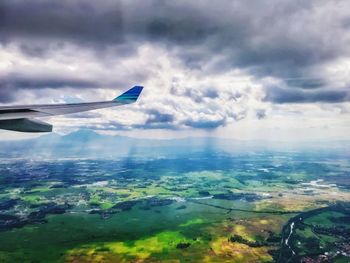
202 207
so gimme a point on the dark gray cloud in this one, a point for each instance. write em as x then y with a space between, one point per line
288 95
61 20
35 82
156 116
10 84
306 83
197 94
205 124
32 79
260 114
6 94
278 38
157 119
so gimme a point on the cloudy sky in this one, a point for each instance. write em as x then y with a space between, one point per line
270 69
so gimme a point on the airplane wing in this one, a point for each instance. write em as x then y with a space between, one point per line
20 118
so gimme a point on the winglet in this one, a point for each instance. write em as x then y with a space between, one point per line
130 96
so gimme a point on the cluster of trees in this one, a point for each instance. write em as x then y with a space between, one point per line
239 239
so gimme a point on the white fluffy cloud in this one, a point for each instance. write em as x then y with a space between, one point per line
174 97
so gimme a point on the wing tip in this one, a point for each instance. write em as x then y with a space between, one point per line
130 95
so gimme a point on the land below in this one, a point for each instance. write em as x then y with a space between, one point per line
206 205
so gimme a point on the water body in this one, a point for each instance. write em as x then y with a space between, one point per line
339 229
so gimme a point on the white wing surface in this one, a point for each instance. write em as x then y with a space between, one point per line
20 118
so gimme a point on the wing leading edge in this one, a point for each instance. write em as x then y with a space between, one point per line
19 118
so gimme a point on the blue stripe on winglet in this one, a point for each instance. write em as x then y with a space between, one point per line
131 95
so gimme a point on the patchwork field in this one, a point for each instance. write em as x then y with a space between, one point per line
204 207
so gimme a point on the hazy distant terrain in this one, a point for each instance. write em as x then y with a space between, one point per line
87 143
86 197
